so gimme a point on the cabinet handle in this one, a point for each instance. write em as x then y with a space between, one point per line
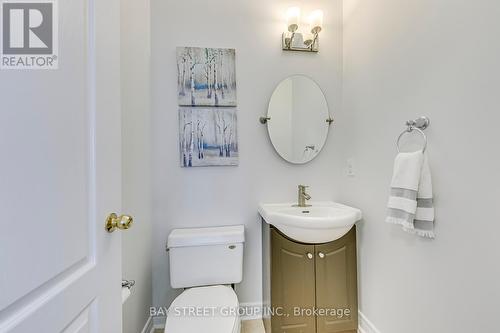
310 255
321 255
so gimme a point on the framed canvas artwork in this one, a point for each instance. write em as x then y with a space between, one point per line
208 136
206 76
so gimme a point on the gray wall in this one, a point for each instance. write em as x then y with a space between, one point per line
438 58
230 195
136 134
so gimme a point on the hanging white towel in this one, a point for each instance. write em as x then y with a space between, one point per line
411 199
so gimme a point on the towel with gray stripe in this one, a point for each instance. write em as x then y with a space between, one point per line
411 200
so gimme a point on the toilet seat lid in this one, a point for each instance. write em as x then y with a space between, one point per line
211 309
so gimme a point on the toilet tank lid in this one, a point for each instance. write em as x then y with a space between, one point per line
206 236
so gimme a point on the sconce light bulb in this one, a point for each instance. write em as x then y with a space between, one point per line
316 20
293 18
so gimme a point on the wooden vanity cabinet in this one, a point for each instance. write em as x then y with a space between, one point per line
293 285
307 279
336 284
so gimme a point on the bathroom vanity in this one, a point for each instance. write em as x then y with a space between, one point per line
309 284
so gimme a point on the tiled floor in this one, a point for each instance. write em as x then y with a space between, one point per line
247 326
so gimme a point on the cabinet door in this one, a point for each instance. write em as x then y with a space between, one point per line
336 285
292 285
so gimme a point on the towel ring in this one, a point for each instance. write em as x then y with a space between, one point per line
410 129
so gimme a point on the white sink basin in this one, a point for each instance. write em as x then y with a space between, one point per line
321 223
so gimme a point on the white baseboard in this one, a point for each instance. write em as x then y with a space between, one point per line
365 325
251 311
148 327
158 323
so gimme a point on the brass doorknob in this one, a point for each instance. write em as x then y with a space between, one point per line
122 222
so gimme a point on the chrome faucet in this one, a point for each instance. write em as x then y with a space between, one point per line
303 197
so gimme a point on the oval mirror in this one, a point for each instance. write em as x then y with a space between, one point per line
298 119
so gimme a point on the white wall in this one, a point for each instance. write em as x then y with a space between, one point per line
230 195
438 58
136 134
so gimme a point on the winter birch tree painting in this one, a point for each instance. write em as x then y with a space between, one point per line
206 76
208 137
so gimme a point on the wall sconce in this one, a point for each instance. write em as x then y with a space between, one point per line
307 40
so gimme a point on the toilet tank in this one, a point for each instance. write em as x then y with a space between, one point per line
206 256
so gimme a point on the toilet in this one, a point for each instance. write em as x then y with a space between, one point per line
206 262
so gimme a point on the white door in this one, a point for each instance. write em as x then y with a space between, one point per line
60 177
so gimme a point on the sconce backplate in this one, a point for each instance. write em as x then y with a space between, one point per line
295 42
